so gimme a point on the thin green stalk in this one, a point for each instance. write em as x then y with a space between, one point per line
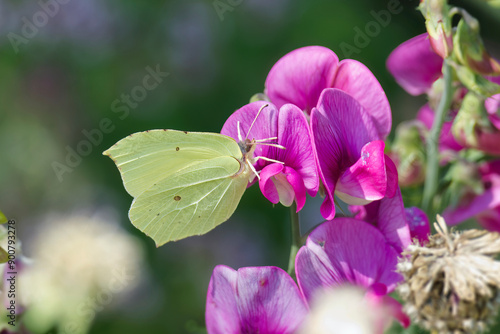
432 170
296 238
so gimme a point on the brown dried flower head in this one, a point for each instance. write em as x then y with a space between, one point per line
452 284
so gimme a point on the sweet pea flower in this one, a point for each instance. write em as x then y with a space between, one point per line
295 172
300 76
347 251
350 152
415 65
253 300
485 207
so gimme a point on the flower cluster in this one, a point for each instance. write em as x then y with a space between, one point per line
340 252
468 141
322 125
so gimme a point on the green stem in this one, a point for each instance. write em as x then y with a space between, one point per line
431 179
296 238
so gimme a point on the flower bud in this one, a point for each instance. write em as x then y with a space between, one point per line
438 24
470 50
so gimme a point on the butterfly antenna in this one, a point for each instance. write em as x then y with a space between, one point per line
239 131
272 145
265 139
263 142
268 159
254 170
258 113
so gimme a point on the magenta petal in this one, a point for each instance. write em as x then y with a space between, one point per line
295 135
392 177
295 180
356 79
221 314
346 250
300 76
389 216
490 219
253 300
265 126
340 128
418 224
366 180
282 184
487 200
267 187
392 221
269 301
415 65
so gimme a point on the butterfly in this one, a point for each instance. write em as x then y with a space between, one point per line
183 183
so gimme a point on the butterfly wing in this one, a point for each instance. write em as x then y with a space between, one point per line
191 201
145 158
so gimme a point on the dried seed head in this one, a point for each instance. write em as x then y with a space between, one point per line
452 285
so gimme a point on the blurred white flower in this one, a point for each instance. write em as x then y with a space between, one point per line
341 310
79 265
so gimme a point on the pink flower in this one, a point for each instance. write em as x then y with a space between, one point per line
350 251
415 65
297 172
253 300
485 207
350 152
300 77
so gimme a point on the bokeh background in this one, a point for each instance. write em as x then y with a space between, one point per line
64 79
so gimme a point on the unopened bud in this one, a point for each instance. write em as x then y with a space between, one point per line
438 24
470 50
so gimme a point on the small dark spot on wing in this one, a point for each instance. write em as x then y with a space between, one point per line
185 132
177 148
177 198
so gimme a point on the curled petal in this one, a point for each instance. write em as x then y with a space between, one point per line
283 184
253 300
300 76
415 65
366 179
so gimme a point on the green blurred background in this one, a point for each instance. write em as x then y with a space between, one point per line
64 79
